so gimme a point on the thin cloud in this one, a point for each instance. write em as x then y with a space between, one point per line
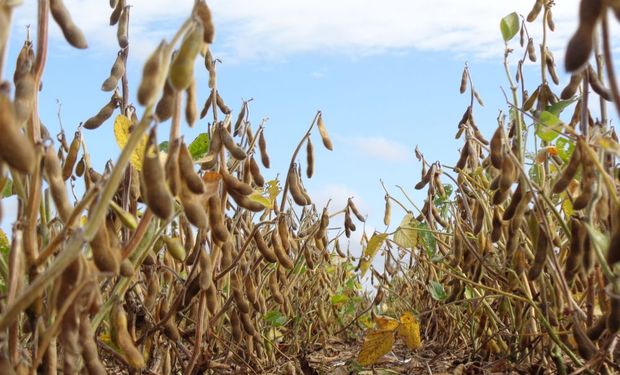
275 29
380 148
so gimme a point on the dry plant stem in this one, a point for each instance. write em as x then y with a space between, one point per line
14 285
80 238
609 63
292 163
31 214
199 332
515 103
138 234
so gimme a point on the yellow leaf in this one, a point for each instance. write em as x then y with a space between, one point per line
376 344
567 205
386 323
409 330
406 235
258 198
121 132
371 250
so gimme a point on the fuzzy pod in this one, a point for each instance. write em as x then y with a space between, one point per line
74 148
295 187
187 173
203 13
191 107
580 45
267 252
574 258
278 248
478 219
588 178
597 85
309 158
323 132
157 195
613 252
227 140
92 362
70 30
235 325
540 255
151 83
509 174
466 152
240 300
182 65
23 103
116 73
219 231
585 346
165 105
496 224
122 31
535 11
212 302
353 208
596 330
104 114
192 207
569 172
58 189
496 152
262 147
426 178
116 13
16 149
106 258
274 288
510 211
464 79
241 117
172 167
247 324
257 177
572 86
118 321
232 184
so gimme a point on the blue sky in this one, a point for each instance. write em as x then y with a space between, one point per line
385 75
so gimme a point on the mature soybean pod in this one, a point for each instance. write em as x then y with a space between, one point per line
182 65
569 172
57 185
193 209
575 251
585 346
150 85
257 177
228 142
172 167
496 147
204 15
572 86
187 172
72 33
274 287
540 257
89 347
580 45
219 231
67 168
588 178
262 147
116 73
279 250
295 187
101 116
16 149
118 320
158 198
122 30
263 248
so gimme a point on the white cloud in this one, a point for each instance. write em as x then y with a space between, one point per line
379 147
279 28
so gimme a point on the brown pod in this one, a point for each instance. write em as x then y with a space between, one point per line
572 87
283 259
309 158
353 208
157 196
193 209
528 103
587 182
538 5
104 256
569 172
241 119
118 321
206 270
207 106
464 78
551 67
165 105
496 147
212 303
221 105
550 21
216 219
580 45
187 172
150 85
204 15
597 329
263 248
426 178
24 95
509 174
89 348
613 252
479 219
250 290
191 110
296 192
496 232
247 324
67 168
262 147
597 85
585 346
116 13
323 131
257 177
283 232
514 203
613 318
57 185
239 298
235 325
116 73
173 172
540 256
80 167
574 258
274 287
232 184
500 196
103 114
72 33
122 29
228 142
16 149
465 153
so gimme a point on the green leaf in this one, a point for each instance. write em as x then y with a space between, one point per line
7 191
199 146
374 244
509 26
558 107
406 236
535 173
338 299
565 148
275 318
437 291
598 239
164 146
428 240
549 127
